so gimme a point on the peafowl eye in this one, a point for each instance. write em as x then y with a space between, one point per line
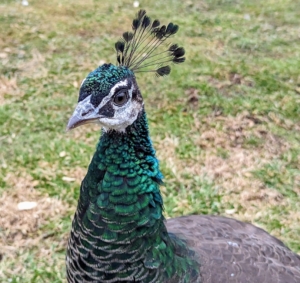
119 233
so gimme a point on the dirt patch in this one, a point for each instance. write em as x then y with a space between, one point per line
9 86
21 226
166 150
229 80
77 174
34 66
236 132
233 175
223 156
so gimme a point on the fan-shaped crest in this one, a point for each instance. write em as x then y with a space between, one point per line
141 49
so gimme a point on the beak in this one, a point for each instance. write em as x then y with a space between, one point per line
84 113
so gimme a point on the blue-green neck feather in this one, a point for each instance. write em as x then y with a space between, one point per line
123 171
118 230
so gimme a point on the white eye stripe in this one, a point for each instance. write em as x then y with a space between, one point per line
112 93
117 86
82 82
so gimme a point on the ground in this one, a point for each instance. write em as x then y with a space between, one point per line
225 123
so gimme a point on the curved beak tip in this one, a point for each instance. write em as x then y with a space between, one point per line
68 128
73 122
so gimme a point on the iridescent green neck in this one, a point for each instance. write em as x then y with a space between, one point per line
120 206
124 177
118 227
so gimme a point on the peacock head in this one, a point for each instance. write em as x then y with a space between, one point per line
109 95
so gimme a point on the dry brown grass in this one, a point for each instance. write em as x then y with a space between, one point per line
9 86
22 229
232 174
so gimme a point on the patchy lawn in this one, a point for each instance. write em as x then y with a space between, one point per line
225 124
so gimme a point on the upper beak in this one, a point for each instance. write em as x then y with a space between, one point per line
84 113
74 121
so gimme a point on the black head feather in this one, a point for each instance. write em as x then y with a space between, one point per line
179 52
173 29
163 71
178 60
146 22
119 45
135 24
127 36
141 50
141 14
155 24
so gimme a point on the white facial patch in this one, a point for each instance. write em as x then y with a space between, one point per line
124 115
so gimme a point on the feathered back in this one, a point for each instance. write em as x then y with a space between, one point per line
141 49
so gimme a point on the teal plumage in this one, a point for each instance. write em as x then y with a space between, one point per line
99 82
119 220
119 233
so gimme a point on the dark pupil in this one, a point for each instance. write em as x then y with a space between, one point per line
120 98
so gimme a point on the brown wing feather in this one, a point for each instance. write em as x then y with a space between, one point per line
236 252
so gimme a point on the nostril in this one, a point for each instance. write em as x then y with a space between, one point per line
87 112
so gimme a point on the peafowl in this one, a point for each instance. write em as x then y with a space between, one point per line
119 233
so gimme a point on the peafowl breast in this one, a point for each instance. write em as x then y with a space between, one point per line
119 233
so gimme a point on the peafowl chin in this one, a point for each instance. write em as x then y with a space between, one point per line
119 233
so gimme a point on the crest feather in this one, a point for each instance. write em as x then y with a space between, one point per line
141 49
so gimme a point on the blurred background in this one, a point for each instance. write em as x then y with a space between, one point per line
225 124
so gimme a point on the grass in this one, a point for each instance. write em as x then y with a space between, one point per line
225 124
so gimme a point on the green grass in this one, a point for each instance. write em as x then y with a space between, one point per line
225 124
